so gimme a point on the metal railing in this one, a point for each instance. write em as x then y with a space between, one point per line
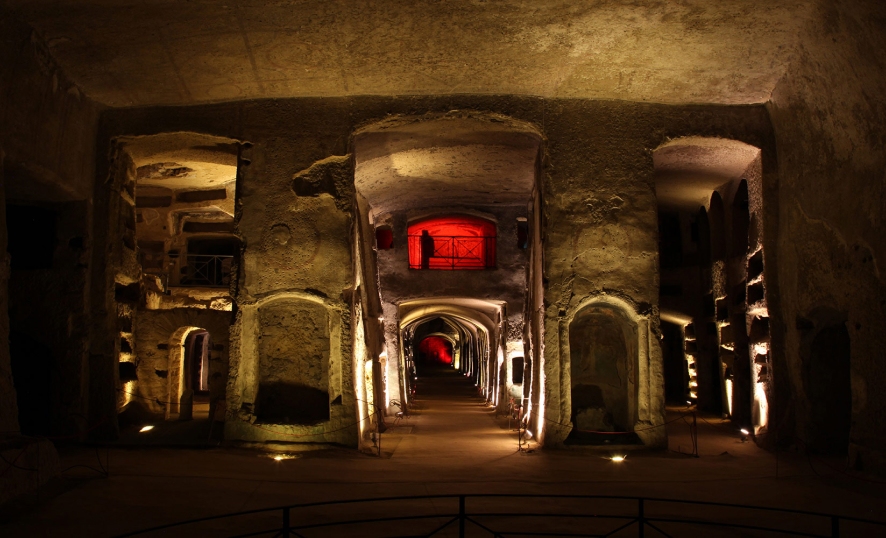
451 252
207 270
507 515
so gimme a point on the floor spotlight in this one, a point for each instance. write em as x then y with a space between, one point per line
147 428
744 435
617 458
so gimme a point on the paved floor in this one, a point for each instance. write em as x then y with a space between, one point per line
451 444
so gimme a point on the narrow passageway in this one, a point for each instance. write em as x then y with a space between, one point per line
450 420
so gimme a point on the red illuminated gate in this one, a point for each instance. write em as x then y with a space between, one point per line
453 242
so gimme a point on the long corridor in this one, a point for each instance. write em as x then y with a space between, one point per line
449 421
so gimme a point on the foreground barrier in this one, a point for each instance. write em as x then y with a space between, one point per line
514 515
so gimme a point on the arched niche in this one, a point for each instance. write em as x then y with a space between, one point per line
289 368
605 343
293 373
825 346
603 357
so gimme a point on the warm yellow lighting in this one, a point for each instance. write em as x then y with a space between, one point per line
729 392
617 459
147 428
282 456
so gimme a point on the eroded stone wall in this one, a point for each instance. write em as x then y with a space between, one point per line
48 139
828 113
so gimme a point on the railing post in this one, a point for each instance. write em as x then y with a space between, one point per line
641 518
835 527
461 516
285 530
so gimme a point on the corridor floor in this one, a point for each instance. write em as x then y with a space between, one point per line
452 443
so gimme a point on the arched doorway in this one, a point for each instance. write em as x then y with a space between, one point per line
197 350
189 374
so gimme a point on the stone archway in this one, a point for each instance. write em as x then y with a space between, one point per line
177 374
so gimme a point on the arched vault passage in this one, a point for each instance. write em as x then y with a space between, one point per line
472 329
709 195
689 169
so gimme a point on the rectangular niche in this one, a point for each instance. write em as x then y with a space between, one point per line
294 350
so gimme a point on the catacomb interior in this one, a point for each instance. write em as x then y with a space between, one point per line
588 226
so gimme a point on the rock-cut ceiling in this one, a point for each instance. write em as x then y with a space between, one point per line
148 52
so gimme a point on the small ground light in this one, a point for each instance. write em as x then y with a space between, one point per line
147 428
282 456
744 435
618 458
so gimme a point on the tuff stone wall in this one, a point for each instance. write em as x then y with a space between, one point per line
828 112
47 156
48 140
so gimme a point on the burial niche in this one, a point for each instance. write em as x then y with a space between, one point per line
603 368
293 362
829 390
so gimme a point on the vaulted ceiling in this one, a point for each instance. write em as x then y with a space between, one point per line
148 52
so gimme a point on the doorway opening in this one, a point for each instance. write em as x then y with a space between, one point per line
188 375
829 390
196 358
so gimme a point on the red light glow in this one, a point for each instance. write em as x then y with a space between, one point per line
455 242
436 349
